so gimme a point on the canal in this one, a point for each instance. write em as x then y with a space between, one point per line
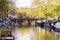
34 33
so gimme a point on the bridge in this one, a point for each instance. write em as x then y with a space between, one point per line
29 20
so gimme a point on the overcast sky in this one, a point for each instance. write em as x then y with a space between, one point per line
23 3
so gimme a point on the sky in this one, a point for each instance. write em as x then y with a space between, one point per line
23 3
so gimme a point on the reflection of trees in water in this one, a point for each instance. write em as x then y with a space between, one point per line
27 35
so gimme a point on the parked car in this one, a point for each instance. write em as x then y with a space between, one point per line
57 27
39 23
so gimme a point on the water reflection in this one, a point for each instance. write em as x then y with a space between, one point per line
24 34
34 33
30 33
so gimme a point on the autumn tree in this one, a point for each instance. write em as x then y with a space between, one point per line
5 7
46 7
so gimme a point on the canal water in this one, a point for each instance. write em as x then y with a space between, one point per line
34 33
29 33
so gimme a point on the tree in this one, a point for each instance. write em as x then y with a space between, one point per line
5 7
45 7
